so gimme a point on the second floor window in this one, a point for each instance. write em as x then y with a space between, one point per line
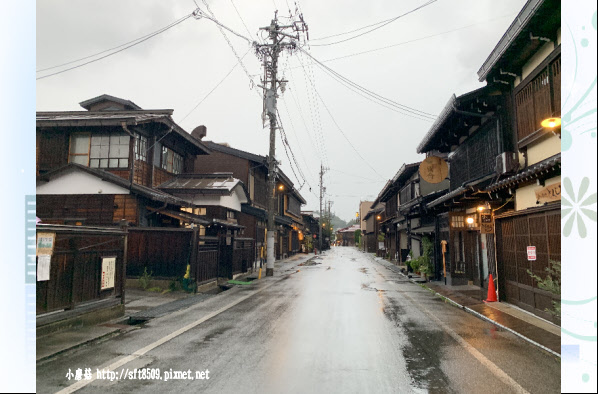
100 150
171 161
140 147
109 151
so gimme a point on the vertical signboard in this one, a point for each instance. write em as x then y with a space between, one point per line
486 223
108 272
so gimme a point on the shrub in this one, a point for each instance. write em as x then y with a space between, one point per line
145 279
551 283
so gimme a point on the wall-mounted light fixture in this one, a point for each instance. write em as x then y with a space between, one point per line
552 124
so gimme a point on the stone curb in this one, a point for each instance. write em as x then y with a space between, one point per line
480 316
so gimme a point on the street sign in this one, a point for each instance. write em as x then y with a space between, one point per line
531 253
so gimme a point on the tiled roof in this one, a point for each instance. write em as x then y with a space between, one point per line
219 183
448 196
255 158
530 172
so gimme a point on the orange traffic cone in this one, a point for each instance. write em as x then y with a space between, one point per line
491 290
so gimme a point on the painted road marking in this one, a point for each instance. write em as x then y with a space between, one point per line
119 362
493 368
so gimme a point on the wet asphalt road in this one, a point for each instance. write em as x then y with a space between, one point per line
346 325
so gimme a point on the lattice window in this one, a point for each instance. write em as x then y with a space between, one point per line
539 99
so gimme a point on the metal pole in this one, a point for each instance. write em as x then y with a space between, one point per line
321 221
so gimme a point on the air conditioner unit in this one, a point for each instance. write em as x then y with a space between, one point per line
506 163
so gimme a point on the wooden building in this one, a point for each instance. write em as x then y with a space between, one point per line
99 166
346 236
373 233
472 131
252 170
311 231
526 63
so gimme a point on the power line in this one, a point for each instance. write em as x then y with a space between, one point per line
314 109
351 31
297 103
342 132
116 47
379 26
213 89
298 144
353 175
220 27
402 107
382 102
240 17
418 39
120 50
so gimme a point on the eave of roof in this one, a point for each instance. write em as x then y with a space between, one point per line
451 107
406 171
180 215
532 171
235 152
455 193
373 212
116 118
512 33
257 159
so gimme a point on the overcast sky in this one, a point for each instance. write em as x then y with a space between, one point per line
444 45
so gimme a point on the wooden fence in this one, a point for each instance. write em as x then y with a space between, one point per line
243 255
166 252
76 266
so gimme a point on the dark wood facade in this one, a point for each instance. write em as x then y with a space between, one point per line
514 233
252 170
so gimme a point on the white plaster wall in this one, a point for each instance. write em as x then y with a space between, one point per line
79 183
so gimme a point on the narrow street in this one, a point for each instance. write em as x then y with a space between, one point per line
344 324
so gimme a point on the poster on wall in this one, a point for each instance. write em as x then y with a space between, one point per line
45 244
43 267
108 272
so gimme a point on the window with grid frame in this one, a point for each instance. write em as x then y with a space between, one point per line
140 147
109 150
171 161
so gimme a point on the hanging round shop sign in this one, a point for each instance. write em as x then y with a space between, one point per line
433 169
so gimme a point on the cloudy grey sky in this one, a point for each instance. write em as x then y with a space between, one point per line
418 60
